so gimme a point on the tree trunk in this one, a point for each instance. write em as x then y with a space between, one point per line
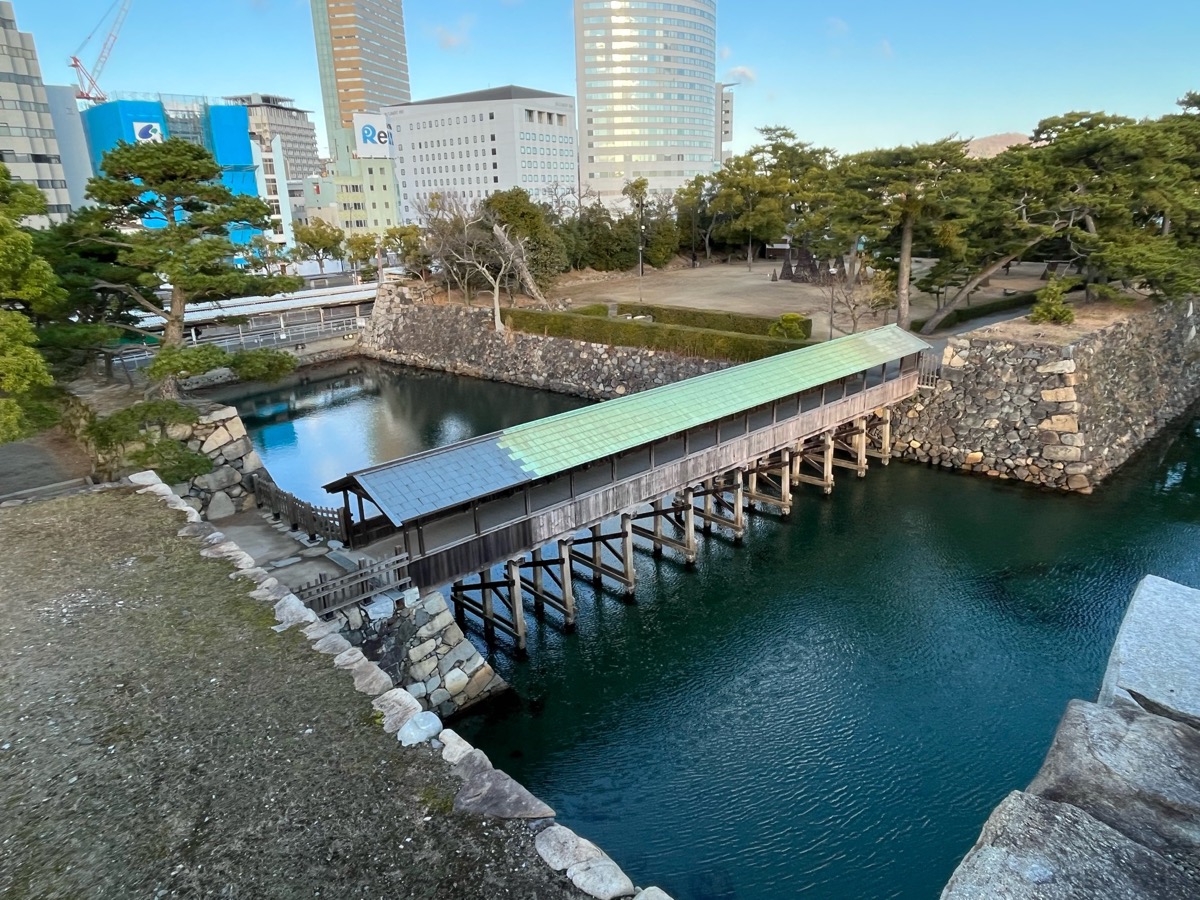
852 262
749 253
173 328
168 388
905 273
496 307
518 261
965 291
321 263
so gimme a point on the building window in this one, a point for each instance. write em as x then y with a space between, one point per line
493 137
493 151
492 115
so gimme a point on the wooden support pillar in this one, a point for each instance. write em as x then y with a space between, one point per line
860 446
656 543
568 590
512 572
539 586
752 486
708 506
627 553
797 454
460 612
689 526
597 556
785 482
739 509
885 436
489 613
827 471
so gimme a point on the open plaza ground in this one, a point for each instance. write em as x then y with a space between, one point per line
735 288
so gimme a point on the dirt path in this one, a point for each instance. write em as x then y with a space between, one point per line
157 739
46 458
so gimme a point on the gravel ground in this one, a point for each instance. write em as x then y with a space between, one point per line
157 739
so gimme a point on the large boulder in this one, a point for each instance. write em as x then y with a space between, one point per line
1154 660
1034 849
1136 772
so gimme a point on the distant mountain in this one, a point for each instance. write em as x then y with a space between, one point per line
992 144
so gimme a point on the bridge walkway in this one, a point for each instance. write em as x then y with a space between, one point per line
697 450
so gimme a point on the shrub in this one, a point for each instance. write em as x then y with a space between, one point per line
1051 306
248 365
592 309
173 462
679 339
127 425
792 326
714 319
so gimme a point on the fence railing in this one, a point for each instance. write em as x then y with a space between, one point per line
290 336
929 370
329 594
317 521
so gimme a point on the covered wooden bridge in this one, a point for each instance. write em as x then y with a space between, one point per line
533 497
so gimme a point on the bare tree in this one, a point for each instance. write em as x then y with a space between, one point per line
861 298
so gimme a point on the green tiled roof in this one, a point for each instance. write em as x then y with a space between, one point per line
558 443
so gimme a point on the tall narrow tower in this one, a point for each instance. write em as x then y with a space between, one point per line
362 61
647 92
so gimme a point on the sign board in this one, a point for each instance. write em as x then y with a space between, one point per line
373 137
148 133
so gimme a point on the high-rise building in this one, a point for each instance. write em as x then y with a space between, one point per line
223 129
469 146
270 117
28 145
649 102
284 141
363 65
72 141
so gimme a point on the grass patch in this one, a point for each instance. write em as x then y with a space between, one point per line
684 340
437 800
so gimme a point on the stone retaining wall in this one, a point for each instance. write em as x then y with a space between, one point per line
218 433
415 640
461 340
1013 402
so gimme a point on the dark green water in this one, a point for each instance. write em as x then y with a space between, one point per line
831 709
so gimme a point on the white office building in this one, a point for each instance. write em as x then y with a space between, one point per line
650 105
28 145
469 146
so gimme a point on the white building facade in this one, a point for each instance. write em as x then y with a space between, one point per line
467 147
650 105
28 144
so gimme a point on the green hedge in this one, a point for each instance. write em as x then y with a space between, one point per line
979 310
679 339
713 319
592 309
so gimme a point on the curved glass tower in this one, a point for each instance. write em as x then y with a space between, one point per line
649 102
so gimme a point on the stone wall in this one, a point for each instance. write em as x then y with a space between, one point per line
461 340
415 640
218 433
1060 408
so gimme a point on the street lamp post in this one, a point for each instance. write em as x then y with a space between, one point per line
641 248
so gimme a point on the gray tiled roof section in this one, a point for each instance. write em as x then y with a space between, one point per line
439 480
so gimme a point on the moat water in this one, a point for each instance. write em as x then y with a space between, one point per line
831 709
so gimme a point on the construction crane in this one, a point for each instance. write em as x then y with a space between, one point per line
89 88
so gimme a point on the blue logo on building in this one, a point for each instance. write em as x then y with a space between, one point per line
373 135
147 132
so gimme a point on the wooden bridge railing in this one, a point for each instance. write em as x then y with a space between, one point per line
929 370
331 524
326 594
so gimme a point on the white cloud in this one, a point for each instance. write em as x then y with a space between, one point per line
456 38
744 74
726 52
836 27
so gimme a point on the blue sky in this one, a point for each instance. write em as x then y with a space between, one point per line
846 75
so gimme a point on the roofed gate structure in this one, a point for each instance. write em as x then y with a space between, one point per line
533 497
